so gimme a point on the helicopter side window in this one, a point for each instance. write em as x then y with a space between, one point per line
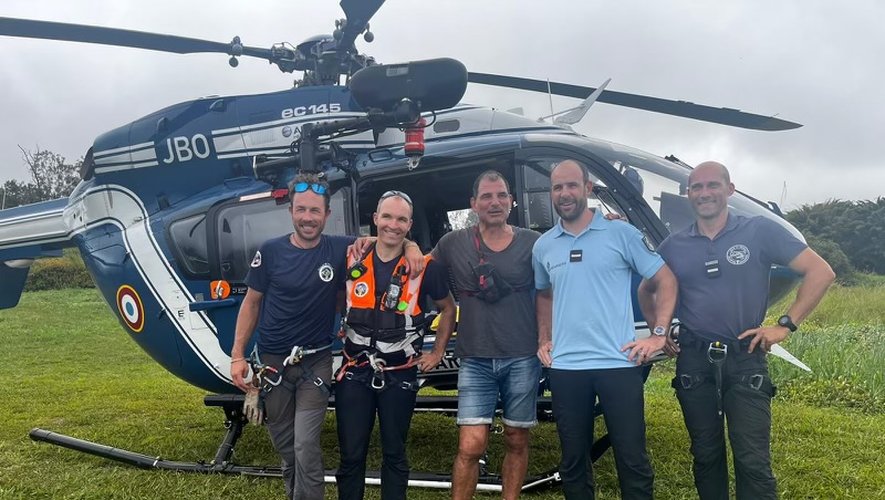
189 241
241 228
337 221
539 212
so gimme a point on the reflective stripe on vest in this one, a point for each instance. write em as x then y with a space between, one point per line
404 345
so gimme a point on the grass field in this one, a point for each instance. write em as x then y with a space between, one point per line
70 368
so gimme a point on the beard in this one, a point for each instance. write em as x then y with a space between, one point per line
577 209
317 232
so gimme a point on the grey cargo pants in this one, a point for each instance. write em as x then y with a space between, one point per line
294 420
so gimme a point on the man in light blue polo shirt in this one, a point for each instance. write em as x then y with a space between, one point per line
583 271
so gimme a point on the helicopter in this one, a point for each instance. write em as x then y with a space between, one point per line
172 206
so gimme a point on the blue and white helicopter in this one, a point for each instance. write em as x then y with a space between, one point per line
172 206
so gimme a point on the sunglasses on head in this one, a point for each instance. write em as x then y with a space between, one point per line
300 187
391 194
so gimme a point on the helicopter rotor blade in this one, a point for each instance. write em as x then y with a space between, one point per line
28 28
358 14
685 109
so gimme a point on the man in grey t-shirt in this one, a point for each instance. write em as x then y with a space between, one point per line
497 337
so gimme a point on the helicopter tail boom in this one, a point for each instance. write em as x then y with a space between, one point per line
27 233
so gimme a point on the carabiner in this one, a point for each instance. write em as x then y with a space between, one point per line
717 352
295 357
378 380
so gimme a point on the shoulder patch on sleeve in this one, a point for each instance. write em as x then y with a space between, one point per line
648 245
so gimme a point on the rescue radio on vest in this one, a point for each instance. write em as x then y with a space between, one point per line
391 300
356 271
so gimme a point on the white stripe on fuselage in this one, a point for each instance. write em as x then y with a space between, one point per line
119 206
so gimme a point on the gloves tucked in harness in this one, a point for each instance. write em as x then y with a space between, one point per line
253 407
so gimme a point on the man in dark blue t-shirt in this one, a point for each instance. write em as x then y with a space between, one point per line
293 283
722 263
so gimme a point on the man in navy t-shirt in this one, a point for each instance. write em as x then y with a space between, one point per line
293 284
722 262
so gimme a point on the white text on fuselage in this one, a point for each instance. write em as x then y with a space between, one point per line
334 107
182 148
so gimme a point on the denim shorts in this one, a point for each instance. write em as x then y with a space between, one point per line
482 380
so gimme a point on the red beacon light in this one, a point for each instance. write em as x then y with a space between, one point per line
414 144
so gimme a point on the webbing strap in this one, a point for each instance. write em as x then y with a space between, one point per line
404 345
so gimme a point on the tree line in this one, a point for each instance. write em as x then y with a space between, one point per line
51 177
849 234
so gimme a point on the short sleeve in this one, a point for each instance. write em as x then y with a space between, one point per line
779 245
435 284
542 278
440 251
258 277
642 259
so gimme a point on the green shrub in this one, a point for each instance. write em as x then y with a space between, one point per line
833 254
67 271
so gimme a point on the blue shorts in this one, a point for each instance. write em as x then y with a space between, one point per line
481 380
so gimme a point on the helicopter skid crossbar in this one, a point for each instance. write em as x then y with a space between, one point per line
487 482
231 404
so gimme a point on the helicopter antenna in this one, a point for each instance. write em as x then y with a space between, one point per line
572 116
550 96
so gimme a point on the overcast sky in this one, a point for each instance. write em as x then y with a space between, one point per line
813 62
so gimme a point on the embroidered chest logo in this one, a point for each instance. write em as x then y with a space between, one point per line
361 289
256 261
326 272
738 255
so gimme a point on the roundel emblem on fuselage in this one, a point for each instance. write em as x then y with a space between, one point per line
130 307
738 254
361 289
326 272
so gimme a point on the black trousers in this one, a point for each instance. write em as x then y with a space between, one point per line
355 406
620 392
746 405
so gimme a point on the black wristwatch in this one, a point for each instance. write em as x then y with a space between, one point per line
787 322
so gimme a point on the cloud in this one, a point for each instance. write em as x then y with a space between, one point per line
809 61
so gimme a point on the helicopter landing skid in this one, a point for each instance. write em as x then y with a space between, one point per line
235 422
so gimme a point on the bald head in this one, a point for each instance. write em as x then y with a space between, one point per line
573 164
711 166
709 187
